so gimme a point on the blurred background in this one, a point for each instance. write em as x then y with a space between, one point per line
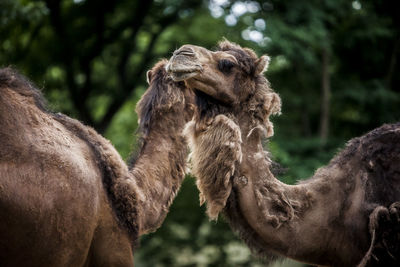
335 64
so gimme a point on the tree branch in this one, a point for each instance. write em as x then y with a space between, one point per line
121 98
126 83
325 96
67 61
393 62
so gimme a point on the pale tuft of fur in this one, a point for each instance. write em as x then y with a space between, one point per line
216 151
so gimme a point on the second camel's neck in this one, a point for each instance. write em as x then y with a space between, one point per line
233 175
282 215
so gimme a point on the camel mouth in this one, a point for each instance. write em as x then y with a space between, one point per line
180 71
183 65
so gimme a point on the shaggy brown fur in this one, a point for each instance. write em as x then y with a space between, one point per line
347 213
218 185
66 196
159 167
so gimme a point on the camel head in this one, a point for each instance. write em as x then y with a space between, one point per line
233 104
227 80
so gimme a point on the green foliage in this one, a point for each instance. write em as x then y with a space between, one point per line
90 58
123 127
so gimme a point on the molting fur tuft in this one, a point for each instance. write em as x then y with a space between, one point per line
216 152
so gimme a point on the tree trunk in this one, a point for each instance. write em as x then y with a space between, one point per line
392 64
325 96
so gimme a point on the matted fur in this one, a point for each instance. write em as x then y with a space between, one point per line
163 95
216 151
163 111
380 153
261 102
215 140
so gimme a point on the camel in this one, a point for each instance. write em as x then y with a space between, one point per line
66 196
346 214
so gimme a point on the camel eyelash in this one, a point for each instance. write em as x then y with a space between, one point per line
225 66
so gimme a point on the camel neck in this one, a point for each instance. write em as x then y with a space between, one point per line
282 214
158 173
159 168
272 216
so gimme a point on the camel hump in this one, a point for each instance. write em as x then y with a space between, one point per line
376 156
380 157
12 79
386 134
380 149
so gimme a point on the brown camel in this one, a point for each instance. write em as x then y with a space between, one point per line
66 196
346 214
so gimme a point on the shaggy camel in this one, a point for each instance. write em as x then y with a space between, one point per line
346 214
66 196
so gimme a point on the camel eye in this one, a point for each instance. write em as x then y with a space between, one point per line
225 66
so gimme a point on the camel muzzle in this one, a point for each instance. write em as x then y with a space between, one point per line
183 64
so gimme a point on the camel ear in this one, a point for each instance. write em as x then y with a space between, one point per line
262 64
148 76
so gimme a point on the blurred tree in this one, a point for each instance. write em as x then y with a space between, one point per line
334 63
92 50
336 43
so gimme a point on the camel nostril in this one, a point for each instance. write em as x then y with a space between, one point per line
184 51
